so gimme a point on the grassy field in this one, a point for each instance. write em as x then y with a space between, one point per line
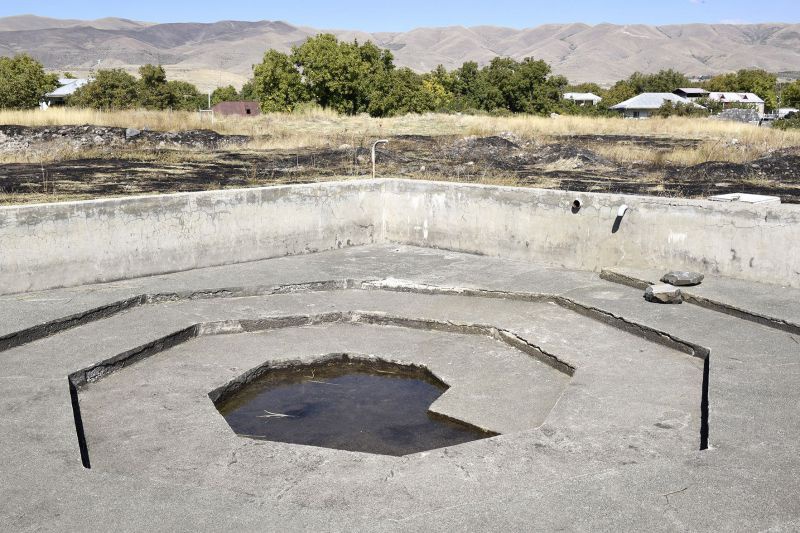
317 127
656 156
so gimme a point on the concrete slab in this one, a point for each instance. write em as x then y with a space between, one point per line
773 304
618 450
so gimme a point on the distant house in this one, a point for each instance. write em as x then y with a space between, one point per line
752 100
646 104
243 108
691 93
66 88
583 98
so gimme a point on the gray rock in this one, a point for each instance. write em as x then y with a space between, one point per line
664 293
682 278
132 133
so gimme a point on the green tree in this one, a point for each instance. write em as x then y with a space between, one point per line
790 96
277 84
340 75
23 82
663 81
496 86
184 96
535 91
680 109
586 88
467 87
757 81
110 89
722 83
788 123
399 92
619 92
518 87
153 90
436 92
464 85
224 94
248 91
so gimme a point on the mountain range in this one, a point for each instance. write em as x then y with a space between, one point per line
219 53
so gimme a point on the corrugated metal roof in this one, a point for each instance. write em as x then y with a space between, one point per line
692 90
652 101
68 88
582 96
739 98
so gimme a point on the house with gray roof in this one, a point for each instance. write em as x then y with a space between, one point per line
66 88
729 99
646 104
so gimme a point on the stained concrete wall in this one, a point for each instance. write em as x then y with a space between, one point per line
748 242
65 244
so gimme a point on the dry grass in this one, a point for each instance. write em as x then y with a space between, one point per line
708 150
317 127
52 153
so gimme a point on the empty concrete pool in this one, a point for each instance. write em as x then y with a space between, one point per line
431 356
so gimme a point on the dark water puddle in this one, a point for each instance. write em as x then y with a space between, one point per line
347 404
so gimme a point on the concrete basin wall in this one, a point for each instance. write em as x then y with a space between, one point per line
736 240
66 244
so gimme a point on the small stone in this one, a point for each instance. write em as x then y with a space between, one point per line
664 293
131 133
682 278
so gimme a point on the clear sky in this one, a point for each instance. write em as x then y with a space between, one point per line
398 15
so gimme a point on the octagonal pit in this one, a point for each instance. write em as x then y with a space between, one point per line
343 402
586 407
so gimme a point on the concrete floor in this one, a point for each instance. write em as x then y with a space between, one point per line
597 395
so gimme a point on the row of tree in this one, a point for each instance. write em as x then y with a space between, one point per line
362 78
353 78
117 89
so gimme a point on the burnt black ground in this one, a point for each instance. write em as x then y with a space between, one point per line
157 162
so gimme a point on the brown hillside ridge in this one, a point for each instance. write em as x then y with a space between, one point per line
219 53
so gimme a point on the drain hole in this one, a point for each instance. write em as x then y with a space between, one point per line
352 404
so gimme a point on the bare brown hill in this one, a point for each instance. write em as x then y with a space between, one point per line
212 54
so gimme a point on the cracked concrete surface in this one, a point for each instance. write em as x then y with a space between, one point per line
617 450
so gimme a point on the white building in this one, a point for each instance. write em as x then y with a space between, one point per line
646 104
66 87
583 98
739 98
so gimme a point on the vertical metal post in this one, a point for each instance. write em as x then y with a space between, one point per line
376 143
